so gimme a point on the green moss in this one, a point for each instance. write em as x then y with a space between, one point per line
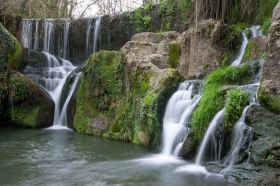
24 116
235 104
159 33
248 50
213 98
205 67
263 55
10 51
266 25
174 55
270 102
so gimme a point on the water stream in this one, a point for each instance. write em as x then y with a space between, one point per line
177 115
255 31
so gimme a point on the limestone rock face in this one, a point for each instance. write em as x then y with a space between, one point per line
255 49
269 93
201 49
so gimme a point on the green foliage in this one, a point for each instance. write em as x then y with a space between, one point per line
270 157
149 7
159 33
264 10
167 10
266 25
142 19
235 104
184 7
212 99
226 59
174 55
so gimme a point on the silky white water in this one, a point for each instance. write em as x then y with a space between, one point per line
96 32
207 136
27 33
178 112
256 31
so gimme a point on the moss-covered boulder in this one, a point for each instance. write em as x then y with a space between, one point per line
22 102
30 107
124 102
269 92
255 49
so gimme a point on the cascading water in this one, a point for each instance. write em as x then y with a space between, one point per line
36 38
96 32
53 77
255 31
65 41
27 33
178 112
207 136
48 35
88 45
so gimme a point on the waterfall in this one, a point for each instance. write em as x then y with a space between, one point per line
96 32
63 116
177 115
48 35
255 31
65 41
207 136
36 39
88 46
27 33
53 71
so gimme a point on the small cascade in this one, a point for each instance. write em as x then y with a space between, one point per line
27 33
177 115
63 115
96 33
255 31
48 35
207 136
65 40
37 37
88 45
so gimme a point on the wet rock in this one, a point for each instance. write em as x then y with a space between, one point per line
269 93
188 149
265 149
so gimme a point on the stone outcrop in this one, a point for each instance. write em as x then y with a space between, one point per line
201 49
265 148
269 93
255 49
123 96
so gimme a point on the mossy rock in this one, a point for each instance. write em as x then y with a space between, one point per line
256 49
132 111
30 107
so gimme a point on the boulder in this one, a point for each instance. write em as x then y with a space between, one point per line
31 106
265 149
269 92
255 49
